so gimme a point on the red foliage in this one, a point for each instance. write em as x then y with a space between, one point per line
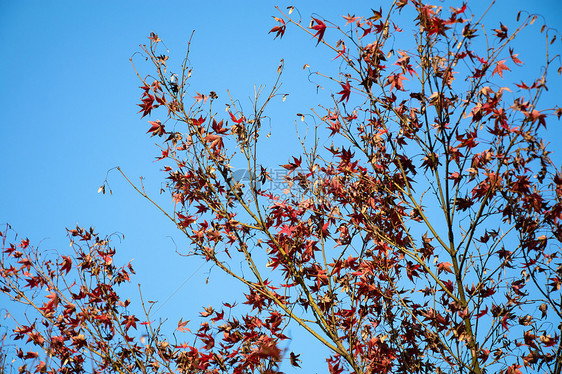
425 238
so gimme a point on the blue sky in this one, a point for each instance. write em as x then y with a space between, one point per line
69 98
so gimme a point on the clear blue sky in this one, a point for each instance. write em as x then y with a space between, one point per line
69 114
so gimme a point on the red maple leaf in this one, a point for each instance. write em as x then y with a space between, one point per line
377 14
157 128
181 326
291 166
66 264
514 57
279 30
218 127
335 126
461 9
505 323
200 97
536 115
395 81
350 19
234 118
445 266
341 53
482 313
147 104
154 37
320 28
455 177
500 67
165 154
215 140
325 231
130 321
501 32
346 90
294 359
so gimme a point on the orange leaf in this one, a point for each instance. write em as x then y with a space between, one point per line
500 67
181 326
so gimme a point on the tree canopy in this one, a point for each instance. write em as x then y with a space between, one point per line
417 229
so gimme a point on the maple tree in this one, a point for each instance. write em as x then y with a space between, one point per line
424 238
